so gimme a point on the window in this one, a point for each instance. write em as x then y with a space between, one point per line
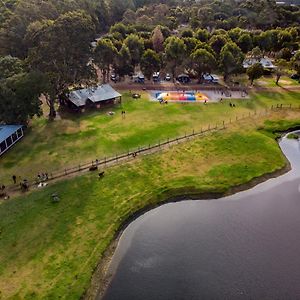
19 132
2 146
14 137
8 141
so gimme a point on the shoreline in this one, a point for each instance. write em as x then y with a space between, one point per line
101 279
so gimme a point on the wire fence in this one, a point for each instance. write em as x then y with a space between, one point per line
105 162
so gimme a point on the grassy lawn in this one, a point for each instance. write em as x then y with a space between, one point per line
48 251
270 81
75 139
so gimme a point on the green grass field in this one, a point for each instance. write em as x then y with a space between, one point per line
270 81
49 251
75 139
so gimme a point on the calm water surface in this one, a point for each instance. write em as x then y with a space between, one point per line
245 246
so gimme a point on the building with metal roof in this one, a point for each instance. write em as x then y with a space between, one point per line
9 135
94 97
265 62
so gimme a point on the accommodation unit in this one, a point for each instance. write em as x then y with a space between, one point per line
265 62
94 97
9 135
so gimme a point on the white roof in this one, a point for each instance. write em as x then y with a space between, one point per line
265 62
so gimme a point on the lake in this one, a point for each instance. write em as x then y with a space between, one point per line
244 246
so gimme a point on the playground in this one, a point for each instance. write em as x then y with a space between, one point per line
188 96
211 96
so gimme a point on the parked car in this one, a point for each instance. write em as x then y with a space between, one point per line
168 77
156 77
295 76
184 78
139 78
114 77
211 78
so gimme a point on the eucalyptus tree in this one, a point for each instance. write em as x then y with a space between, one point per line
63 54
105 55
175 51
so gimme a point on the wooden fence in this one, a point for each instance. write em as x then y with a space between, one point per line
102 163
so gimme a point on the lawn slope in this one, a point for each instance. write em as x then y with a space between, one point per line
75 139
49 251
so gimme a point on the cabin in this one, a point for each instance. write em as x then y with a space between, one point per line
265 62
93 97
9 135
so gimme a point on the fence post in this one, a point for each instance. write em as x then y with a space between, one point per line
79 167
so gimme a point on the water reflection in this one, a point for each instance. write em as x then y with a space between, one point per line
245 246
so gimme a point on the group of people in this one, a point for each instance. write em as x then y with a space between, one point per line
42 177
24 184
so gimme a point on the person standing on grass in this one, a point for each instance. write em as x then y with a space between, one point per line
14 178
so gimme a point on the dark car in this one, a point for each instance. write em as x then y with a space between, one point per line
184 78
295 76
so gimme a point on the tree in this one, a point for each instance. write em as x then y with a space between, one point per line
135 45
123 64
187 33
118 7
10 66
64 54
282 64
191 44
20 97
175 50
285 54
119 28
202 35
256 54
231 59
158 39
296 62
217 42
245 42
104 56
203 62
255 72
150 63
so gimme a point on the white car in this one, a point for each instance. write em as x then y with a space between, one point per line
168 77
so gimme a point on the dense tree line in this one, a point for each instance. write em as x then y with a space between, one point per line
51 40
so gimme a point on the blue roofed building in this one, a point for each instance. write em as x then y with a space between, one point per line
9 135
